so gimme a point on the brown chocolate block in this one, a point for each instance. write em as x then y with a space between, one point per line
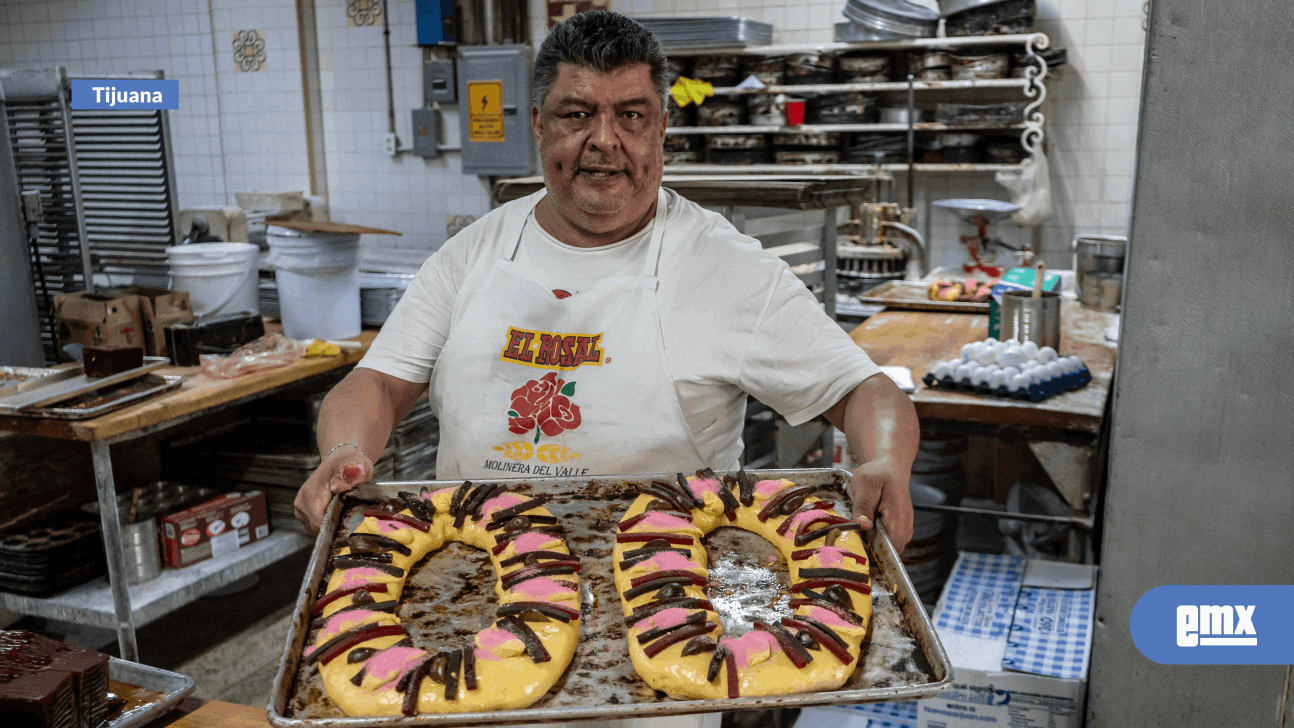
103 361
42 699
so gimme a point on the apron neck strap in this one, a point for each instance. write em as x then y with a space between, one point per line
513 231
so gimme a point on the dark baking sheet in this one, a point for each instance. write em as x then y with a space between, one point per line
450 596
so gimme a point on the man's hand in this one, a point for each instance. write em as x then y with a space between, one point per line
879 487
344 469
881 425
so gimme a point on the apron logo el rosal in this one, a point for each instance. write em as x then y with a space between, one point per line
551 350
543 405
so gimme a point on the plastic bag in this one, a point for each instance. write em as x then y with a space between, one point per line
1030 188
268 352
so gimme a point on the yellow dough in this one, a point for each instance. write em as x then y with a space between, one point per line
507 676
763 667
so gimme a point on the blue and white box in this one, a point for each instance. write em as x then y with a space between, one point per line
1019 635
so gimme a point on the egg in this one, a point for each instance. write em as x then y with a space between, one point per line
1047 354
980 376
1053 370
986 356
1018 382
1010 371
1011 357
1000 378
968 351
991 340
962 372
1029 348
941 370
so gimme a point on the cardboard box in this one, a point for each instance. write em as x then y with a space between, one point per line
160 308
862 715
1019 635
95 319
219 526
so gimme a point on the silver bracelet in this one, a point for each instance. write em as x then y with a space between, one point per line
342 444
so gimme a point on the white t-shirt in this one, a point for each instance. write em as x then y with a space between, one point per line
734 318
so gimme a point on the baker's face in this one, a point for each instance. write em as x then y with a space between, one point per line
600 142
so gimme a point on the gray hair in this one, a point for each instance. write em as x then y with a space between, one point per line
604 42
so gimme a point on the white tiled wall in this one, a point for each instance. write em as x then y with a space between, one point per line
245 131
405 193
1091 112
238 132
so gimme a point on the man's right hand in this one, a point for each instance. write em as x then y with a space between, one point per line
344 469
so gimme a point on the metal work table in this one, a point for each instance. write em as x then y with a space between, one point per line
1063 432
111 603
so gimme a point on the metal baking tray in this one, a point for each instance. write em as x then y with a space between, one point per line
168 382
20 379
911 296
172 686
453 592
55 389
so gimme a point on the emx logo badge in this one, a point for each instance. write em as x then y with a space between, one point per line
1215 625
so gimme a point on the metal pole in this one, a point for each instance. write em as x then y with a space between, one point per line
912 137
111 521
74 180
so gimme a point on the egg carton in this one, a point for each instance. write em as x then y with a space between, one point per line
1010 369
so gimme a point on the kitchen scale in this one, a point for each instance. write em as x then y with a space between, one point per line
981 214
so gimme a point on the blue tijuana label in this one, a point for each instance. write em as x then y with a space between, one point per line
125 94
1216 625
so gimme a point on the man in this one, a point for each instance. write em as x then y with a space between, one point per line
606 324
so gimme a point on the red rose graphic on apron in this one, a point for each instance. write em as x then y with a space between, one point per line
505 384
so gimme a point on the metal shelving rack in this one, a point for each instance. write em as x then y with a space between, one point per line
1032 86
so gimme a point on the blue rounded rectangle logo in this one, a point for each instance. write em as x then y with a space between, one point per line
1215 624
125 94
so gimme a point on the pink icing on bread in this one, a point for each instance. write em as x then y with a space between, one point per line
498 503
533 541
544 588
829 556
751 643
389 663
663 618
766 489
669 561
827 617
702 486
362 576
662 523
339 623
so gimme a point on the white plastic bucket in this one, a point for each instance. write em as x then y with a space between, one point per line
220 278
318 277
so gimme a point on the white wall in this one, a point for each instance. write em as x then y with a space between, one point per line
246 131
237 132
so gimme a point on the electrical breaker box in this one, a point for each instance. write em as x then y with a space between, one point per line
426 132
438 82
494 109
435 20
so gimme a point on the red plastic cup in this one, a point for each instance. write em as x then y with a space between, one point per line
794 113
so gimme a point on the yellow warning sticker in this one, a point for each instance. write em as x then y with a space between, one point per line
691 91
485 111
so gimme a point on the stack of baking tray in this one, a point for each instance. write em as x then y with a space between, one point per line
51 556
263 454
717 32
275 450
268 292
414 443
378 294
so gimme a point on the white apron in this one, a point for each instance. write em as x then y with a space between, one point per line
530 385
